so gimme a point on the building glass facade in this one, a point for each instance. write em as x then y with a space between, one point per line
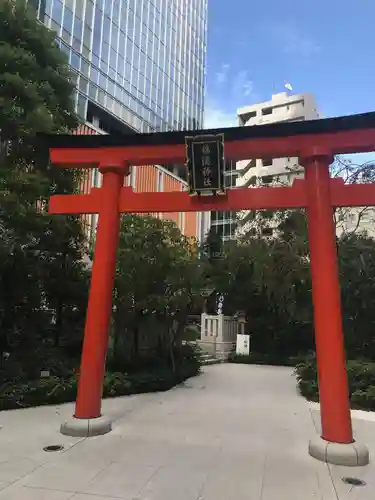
225 223
141 61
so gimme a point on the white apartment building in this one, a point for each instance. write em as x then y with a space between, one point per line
355 220
283 107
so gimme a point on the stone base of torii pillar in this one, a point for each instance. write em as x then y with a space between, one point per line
348 454
86 427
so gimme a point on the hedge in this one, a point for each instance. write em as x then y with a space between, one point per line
55 390
255 358
361 379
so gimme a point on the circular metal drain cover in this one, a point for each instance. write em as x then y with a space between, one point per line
353 481
54 447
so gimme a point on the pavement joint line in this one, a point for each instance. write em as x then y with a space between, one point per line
161 467
80 440
312 418
263 476
12 483
209 474
332 481
74 493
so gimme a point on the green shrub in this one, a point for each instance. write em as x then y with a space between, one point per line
151 361
364 399
21 367
361 375
255 358
55 390
361 380
51 390
191 333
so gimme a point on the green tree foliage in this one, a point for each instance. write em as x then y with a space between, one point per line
36 91
361 380
41 273
357 275
353 173
269 279
158 283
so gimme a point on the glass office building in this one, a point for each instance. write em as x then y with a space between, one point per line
225 223
139 63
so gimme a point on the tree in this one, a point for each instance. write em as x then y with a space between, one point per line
357 275
36 96
36 90
351 220
347 219
158 283
270 283
269 280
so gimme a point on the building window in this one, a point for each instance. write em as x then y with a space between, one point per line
159 186
230 180
214 217
267 179
68 20
181 222
57 11
247 116
267 231
267 111
267 162
133 177
75 61
226 229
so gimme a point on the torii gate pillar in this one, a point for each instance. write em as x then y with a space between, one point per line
336 444
87 419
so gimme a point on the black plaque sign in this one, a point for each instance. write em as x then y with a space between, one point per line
205 162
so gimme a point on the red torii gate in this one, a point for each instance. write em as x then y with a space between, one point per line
315 143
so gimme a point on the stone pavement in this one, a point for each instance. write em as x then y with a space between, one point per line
236 432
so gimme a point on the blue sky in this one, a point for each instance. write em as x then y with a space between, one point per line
326 47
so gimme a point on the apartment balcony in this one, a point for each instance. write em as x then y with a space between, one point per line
243 229
296 112
244 166
246 217
248 178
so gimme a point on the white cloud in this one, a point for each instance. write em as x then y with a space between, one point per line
248 88
292 40
241 85
236 85
222 75
234 88
216 117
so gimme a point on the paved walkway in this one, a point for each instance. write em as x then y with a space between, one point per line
236 432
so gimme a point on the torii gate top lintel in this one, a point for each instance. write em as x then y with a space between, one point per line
306 140
348 134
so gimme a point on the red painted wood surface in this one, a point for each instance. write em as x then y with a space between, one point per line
356 141
342 195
